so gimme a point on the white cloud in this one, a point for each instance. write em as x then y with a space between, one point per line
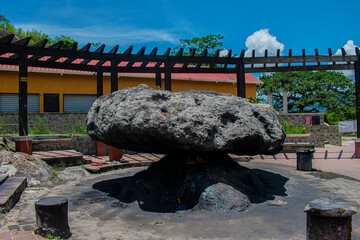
261 40
349 48
224 52
106 34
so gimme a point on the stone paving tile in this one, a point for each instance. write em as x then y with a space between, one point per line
20 235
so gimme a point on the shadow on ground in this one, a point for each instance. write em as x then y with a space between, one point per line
177 181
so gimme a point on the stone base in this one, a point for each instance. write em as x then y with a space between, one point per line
177 180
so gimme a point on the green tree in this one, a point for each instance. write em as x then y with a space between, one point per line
3 19
67 41
209 42
35 34
309 90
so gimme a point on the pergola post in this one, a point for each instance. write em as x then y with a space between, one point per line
23 77
114 76
99 83
269 98
240 80
158 78
285 100
357 93
167 76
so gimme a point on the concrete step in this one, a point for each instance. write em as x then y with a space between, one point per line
101 164
3 178
64 158
10 192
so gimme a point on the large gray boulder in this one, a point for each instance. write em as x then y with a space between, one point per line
223 198
148 120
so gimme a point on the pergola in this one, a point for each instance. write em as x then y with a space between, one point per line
22 54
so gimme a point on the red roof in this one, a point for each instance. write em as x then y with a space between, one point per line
188 76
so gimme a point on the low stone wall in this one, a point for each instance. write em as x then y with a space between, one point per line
320 134
52 144
296 141
57 122
292 147
80 143
298 119
298 138
84 144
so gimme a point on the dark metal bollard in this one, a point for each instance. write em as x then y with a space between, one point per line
52 217
329 218
304 159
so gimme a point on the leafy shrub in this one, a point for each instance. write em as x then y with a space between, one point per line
291 129
72 128
342 115
40 126
255 100
3 127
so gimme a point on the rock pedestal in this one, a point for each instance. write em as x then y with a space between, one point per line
183 181
329 218
304 159
52 217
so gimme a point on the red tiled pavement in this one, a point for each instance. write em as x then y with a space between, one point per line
329 159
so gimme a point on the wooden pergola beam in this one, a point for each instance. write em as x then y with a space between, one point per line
166 63
69 54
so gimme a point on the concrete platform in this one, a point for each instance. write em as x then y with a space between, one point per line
101 163
10 192
64 158
3 178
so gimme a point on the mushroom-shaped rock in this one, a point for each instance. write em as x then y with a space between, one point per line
149 120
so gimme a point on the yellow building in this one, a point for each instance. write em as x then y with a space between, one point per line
56 90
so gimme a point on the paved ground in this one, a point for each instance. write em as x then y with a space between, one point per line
94 215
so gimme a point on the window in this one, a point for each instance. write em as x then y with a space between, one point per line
9 103
51 102
315 120
78 103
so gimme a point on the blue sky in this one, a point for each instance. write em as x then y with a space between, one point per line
244 24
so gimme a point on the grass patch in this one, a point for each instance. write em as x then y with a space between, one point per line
291 129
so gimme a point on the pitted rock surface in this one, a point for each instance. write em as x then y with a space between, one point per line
148 120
